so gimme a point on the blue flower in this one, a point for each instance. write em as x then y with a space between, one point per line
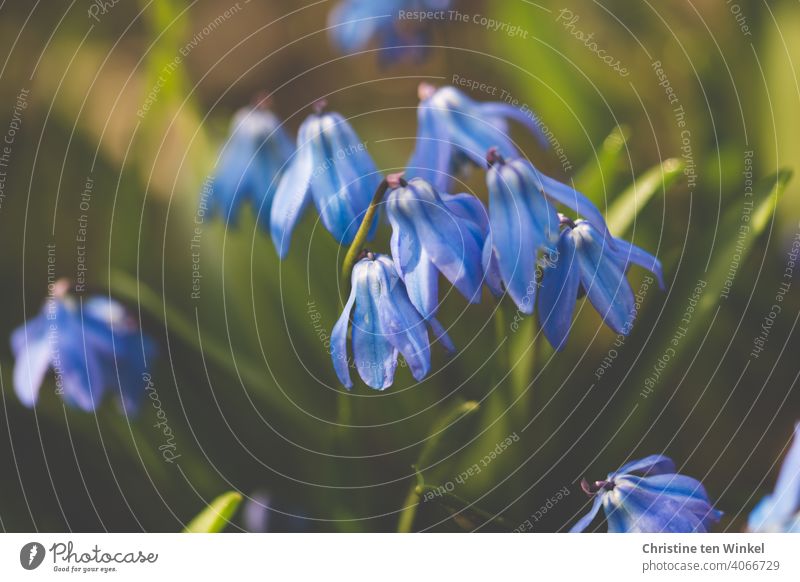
586 259
332 167
91 346
523 221
385 324
647 496
780 512
353 24
454 130
430 234
250 163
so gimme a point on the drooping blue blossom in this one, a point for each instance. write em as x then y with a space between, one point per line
780 511
432 234
353 24
586 259
92 347
250 163
454 130
648 496
332 167
385 324
524 222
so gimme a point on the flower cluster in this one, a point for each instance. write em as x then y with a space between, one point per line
515 246
648 496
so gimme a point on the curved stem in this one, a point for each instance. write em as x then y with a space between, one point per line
361 235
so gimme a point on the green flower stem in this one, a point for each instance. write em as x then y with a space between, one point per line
361 235
410 505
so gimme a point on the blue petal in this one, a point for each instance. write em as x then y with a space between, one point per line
32 358
661 503
571 198
587 519
472 132
440 335
519 228
250 162
526 118
431 159
339 338
79 368
559 292
629 253
402 324
344 179
419 273
650 465
423 221
602 277
375 357
292 195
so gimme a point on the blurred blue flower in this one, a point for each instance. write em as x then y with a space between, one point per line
647 496
91 346
454 131
353 24
585 259
429 237
332 167
523 221
780 512
250 163
385 324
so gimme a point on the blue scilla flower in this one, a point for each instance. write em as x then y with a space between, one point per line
454 130
385 324
250 163
780 512
91 346
353 24
648 496
586 260
432 236
523 221
332 167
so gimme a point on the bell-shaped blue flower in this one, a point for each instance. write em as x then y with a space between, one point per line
586 259
385 324
430 236
648 496
91 346
523 222
454 130
332 167
780 511
250 164
353 24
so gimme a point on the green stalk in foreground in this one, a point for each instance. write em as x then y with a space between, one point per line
412 501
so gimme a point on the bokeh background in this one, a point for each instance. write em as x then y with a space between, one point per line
244 376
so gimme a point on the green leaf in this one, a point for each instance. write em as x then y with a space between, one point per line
629 203
766 195
217 515
598 175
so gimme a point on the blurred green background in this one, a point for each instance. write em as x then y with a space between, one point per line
244 376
